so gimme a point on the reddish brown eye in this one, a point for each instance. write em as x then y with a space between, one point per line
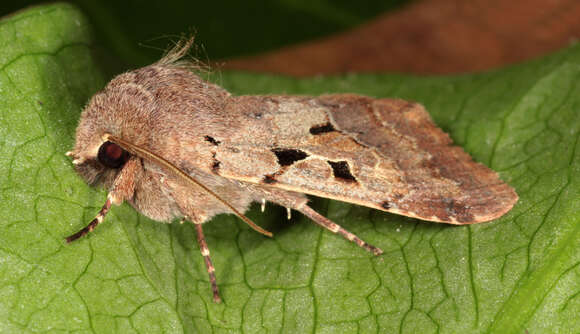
112 155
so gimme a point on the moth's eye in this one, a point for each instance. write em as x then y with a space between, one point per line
112 155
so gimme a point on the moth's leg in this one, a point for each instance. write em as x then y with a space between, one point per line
98 219
298 202
335 228
122 189
208 263
198 217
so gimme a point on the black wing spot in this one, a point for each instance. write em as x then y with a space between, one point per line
269 179
457 210
319 129
386 205
287 157
216 164
341 170
215 167
212 140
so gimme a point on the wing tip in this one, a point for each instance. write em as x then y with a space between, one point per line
455 212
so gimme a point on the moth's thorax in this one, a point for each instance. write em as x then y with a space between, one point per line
153 107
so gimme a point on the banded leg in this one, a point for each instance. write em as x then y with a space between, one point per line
123 188
91 226
335 228
208 264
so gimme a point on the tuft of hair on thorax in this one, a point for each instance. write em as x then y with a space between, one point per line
178 56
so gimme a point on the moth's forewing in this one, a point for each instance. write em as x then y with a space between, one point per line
386 154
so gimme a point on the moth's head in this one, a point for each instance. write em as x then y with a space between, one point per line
119 110
139 106
100 165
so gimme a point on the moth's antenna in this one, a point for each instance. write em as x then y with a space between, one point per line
143 153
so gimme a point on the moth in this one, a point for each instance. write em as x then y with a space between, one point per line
175 146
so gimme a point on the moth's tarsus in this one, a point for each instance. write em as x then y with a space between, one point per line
93 224
320 129
212 140
287 157
82 232
341 170
335 228
208 264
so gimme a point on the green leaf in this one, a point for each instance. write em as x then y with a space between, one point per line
518 274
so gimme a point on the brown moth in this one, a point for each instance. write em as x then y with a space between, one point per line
176 146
